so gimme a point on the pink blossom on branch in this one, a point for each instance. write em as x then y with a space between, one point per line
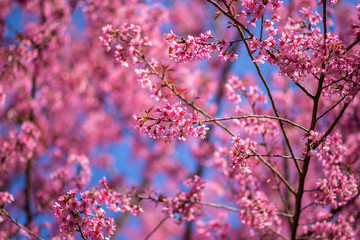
184 203
131 41
339 186
198 48
171 121
6 197
278 154
87 215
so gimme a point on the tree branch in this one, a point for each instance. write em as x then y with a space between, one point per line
231 17
172 89
156 228
267 90
255 116
352 45
302 176
331 108
5 213
304 90
274 170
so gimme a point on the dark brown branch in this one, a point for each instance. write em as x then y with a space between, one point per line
352 45
302 176
304 90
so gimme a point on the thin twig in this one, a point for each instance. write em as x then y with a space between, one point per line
181 97
276 155
284 214
304 90
156 228
333 124
215 205
352 45
256 116
331 108
310 204
274 170
81 233
239 40
277 233
4 212
231 17
267 89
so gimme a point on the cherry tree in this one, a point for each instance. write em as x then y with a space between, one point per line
201 119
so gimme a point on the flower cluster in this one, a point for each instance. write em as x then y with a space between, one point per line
240 152
235 87
172 121
129 42
214 229
144 73
6 197
28 138
302 51
255 9
257 211
336 230
339 186
314 138
21 146
87 216
294 60
266 44
76 170
260 126
184 203
197 48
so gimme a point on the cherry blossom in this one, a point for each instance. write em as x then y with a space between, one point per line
179 119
